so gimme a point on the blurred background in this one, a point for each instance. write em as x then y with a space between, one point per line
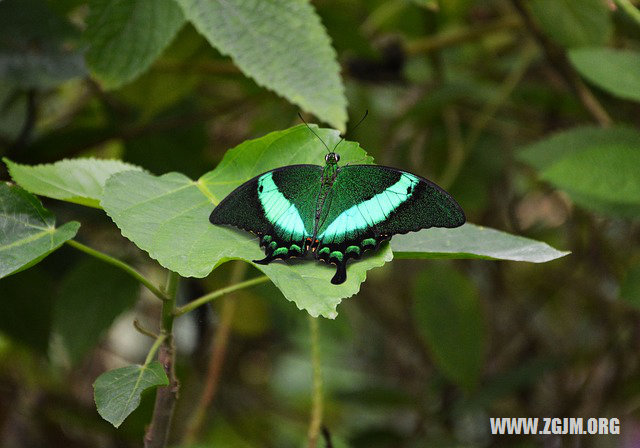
428 351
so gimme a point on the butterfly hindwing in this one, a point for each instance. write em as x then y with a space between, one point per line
278 206
371 203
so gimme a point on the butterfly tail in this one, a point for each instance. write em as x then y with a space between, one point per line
341 273
266 260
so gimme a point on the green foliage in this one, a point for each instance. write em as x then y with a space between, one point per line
282 45
34 45
616 71
574 23
117 392
80 181
448 315
596 167
471 241
92 295
126 36
630 287
27 230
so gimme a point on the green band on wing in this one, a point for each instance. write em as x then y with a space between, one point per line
370 212
278 210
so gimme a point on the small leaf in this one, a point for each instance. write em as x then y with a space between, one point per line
126 36
77 180
117 392
27 230
572 23
616 71
168 216
282 45
91 296
448 314
472 241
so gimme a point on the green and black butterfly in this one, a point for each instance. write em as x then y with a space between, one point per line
337 212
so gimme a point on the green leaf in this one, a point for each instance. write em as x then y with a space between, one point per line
126 36
117 392
630 287
548 151
35 48
607 174
282 45
607 186
472 241
168 216
574 23
616 71
448 315
91 296
27 230
78 180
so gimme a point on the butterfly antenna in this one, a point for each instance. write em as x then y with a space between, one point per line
366 112
314 133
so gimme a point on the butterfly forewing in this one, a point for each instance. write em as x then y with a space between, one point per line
278 206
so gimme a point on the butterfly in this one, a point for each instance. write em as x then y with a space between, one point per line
337 212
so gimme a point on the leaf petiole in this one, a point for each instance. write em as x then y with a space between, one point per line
119 264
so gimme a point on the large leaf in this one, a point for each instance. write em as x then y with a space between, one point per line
548 151
594 166
91 296
608 174
448 314
574 23
117 392
34 45
279 43
168 216
471 241
616 71
78 180
27 230
126 36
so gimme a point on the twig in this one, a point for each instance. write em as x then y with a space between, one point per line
219 293
449 39
631 10
317 399
119 264
138 326
158 432
559 61
216 358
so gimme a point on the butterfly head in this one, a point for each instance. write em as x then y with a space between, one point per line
332 158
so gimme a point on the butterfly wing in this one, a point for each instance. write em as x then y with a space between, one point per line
370 203
278 206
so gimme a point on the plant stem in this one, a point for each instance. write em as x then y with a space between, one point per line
451 38
220 292
154 348
119 264
216 358
317 404
158 432
631 10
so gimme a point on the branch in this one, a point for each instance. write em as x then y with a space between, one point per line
452 38
558 59
220 292
119 264
166 397
317 402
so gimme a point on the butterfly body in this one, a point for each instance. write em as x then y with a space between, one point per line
335 212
